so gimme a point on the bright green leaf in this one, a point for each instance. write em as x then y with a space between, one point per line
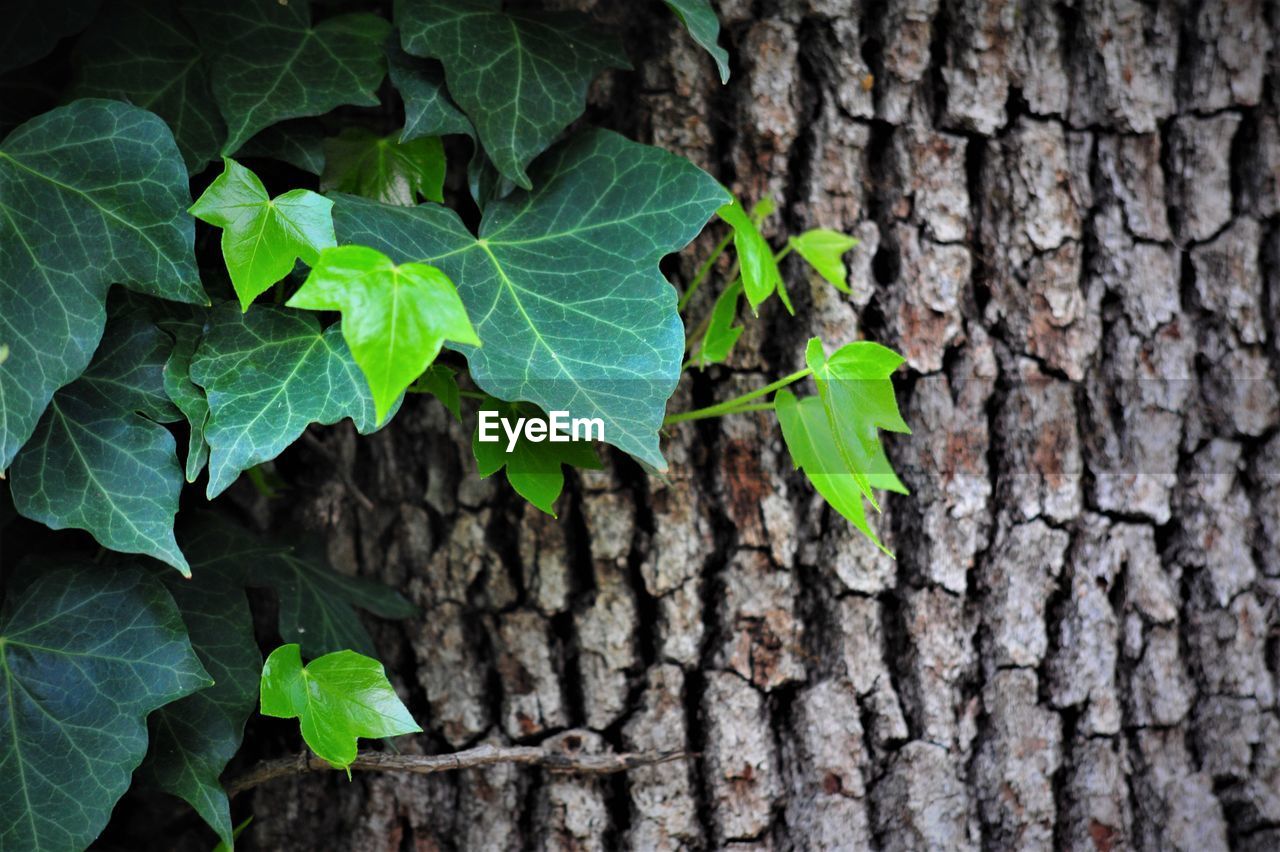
534 469
86 652
338 698
193 739
143 52
824 250
317 603
428 111
32 28
380 167
721 334
91 193
563 284
98 460
441 381
271 63
759 270
521 77
394 318
858 397
268 374
807 432
262 237
701 21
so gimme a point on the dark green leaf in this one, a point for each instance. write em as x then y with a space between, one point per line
86 652
441 382
90 194
701 21
384 169
193 739
807 431
338 698
428 111
33 27
268 374
186 395
142 51
564 283
521 77
824 250
300 143
271 63
98 460
394 318
534 468
262 236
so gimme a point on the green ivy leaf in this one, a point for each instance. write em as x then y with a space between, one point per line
807 432
86 652
185 394
394 318
268 374
759 269
299 142
521 77
32 28
143 52
271 63
380 167
564 282
824 251
534 469
317 603
700 20
858 397
428 110
441 382
99 460
91 193
193 739
338 698
262 236
721 334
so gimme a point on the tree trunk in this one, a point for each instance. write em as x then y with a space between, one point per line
1068 216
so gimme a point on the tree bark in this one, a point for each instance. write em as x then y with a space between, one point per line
1068 216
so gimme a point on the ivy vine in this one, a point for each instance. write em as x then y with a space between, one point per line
135 360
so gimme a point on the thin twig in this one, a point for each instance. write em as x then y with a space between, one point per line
485 755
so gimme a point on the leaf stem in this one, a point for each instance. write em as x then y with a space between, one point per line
703 270
738 404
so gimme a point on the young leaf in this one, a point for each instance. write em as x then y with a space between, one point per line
86 652
271 63
143 52
394 318
721 333
262 237
34 27
193 739
760 275
521 77
534 469
564 283
700 20
858 396
91 193
807 432
428 111
268 374
824 250
98 460
441 382
384 169
338 698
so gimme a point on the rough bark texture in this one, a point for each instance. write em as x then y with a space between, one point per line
1069 225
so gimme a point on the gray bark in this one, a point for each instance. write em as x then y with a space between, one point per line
1069 224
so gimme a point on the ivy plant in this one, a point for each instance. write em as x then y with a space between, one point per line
249 218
